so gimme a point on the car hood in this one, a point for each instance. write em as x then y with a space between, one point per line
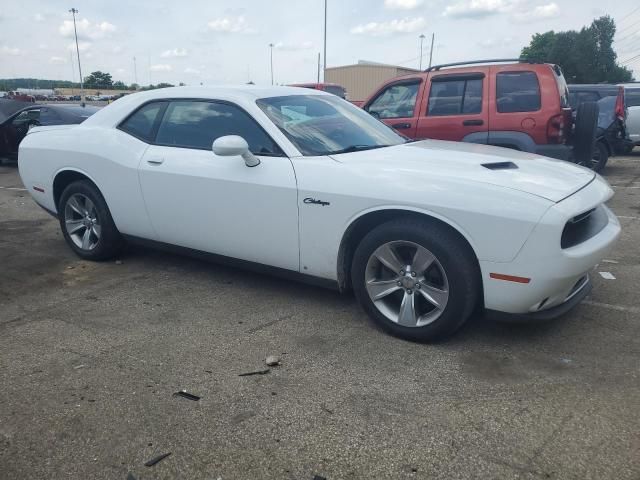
534 174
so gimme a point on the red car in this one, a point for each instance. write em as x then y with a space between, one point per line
521 105
21 97
325 87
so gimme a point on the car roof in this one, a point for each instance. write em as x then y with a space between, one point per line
116 111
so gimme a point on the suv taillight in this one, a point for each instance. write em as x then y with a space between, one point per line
620 104
557 129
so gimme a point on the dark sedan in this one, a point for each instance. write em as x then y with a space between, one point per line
15 127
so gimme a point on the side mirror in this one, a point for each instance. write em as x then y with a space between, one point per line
233 146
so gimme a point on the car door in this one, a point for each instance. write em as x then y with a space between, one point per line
456 108
217 204
396 105
18 127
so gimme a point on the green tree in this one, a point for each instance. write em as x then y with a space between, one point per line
586 56
98 79
119 85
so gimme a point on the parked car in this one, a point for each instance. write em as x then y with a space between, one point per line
607 135
333 88
307 185
581 93
15 128
632 98
21 97
523 106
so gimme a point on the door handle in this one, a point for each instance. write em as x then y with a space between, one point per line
401 126
155 161
473 122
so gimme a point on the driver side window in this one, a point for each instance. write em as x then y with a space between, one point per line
395 101
28 116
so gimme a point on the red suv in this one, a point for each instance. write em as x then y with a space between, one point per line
522 105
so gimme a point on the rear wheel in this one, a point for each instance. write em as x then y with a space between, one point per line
417 279
86 222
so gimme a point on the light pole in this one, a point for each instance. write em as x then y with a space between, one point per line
324 59
422 37
75 31
433 36
271 45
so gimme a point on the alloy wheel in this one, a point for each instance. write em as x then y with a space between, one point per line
82 222
407 283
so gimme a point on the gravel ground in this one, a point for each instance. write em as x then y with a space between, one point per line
92 354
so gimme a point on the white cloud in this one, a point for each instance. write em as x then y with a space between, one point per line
86 29
540 12
478 8
161 67
402 4
57 60
230 25
192 71
405 25
174 52
38 17
13 51
293 46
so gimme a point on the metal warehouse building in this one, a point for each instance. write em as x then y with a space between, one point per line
362 79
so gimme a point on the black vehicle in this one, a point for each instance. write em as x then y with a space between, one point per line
609 132
580 93
15 127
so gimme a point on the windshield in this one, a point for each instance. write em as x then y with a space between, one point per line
326 124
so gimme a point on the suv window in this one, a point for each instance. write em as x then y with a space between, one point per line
395 101
49 117
517 92
633 97
143 121
455 97
196 124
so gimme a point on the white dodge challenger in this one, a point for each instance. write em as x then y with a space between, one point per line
302 183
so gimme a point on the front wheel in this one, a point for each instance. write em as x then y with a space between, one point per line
86 222
418 280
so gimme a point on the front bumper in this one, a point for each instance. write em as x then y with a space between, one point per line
554 272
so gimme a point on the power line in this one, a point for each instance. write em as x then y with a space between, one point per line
634 34
624 17
628 27
630 59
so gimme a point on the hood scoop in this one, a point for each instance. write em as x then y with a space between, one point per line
500 166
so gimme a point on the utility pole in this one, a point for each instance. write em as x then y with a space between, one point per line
422 37
433 36
75 31
135 71
318 67
324 73
271 45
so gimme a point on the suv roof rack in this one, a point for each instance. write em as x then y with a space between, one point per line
475 62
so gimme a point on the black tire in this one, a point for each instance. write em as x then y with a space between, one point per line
600 157
110 242
584 134
454 256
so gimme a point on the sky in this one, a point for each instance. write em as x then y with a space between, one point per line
227 41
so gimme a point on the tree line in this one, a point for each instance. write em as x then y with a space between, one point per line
585 56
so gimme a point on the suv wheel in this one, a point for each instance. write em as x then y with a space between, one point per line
600 157
416 279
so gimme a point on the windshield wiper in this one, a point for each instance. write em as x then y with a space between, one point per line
355 148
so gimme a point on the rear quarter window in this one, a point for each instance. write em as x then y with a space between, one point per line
517 92
143 122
